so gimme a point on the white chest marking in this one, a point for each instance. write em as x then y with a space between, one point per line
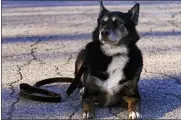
115 68
116 74
111 50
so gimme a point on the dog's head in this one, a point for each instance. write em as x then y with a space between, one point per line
117 27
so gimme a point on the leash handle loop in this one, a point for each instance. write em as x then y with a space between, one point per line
38 94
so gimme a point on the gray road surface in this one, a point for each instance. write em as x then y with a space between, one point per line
41 40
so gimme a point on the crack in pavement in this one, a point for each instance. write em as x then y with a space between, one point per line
13 92
50 49
34 57
174 24
10 56
69 59
36 42
67 62
10 113
173 15
11 84
32 53
57 71
21 77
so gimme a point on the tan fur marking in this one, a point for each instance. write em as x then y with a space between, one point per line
132 103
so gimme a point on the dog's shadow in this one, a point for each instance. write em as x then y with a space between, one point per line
159 96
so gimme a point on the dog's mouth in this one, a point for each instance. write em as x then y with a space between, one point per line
109 36
106 40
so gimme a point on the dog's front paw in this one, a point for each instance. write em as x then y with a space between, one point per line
134 115
88 115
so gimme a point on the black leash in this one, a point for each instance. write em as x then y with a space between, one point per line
30 92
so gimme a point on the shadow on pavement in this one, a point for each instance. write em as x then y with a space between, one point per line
17 3
83 36
46 38
159 96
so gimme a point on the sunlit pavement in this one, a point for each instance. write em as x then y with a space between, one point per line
41 40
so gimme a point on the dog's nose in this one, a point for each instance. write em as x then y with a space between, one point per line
105 32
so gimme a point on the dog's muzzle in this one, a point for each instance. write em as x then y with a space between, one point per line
109 36
105 33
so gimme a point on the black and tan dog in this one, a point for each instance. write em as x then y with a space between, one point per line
114 63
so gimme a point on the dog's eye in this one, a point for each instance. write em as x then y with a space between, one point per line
102 22
119 23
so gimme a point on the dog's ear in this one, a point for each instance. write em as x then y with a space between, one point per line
134 13
103 10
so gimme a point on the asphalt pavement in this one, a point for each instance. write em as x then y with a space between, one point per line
41 40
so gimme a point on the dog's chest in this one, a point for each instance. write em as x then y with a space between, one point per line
116 73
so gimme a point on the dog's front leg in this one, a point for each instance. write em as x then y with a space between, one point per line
87 105
133 107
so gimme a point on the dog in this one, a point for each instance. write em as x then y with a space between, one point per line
113 63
